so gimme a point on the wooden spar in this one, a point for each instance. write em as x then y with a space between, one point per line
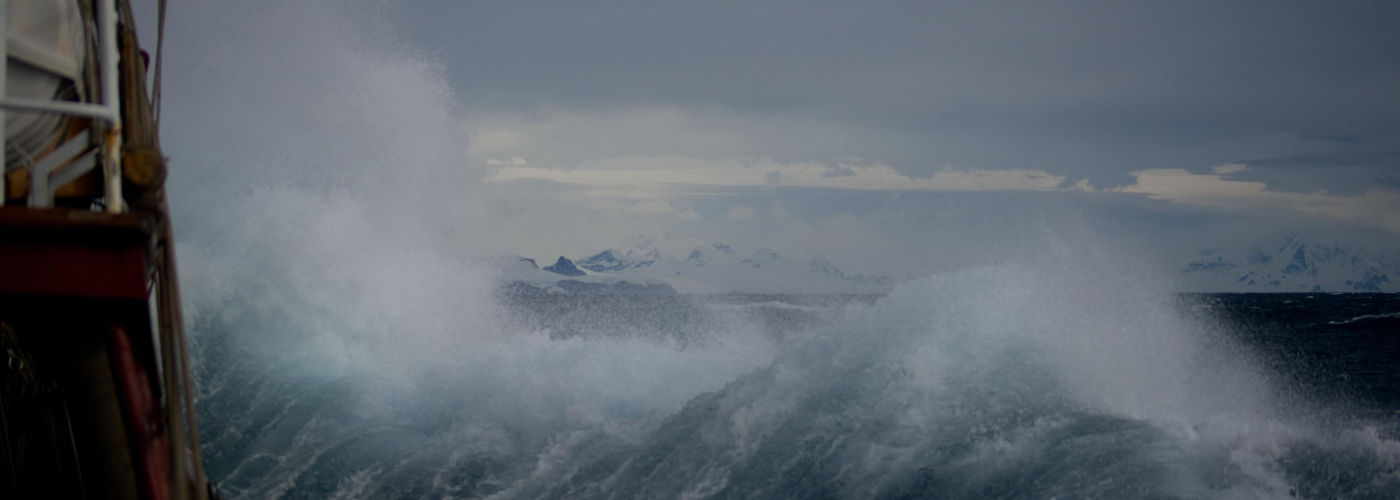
144 172
143 166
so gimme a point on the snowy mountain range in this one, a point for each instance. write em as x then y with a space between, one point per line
1304 263
521 276
718 267
707 268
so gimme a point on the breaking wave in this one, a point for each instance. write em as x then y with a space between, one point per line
991 382
345 349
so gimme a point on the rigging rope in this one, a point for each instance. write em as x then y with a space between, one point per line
160 51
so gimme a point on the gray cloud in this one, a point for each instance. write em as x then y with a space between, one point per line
1082 89
1365 158
773 177
838 171
323 98
1344 171
1342 138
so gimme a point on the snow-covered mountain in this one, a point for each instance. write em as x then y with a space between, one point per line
719 268
703 268
1303 264
616 260
522 276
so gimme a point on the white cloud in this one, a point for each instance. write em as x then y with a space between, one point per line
640 172
1373 208
495 141
1230 168
508 162
740 213
616 204
653 207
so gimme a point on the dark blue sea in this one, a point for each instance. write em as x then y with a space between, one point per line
973 385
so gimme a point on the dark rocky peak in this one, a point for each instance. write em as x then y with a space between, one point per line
565 267
824 267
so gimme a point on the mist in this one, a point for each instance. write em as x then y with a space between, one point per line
342 252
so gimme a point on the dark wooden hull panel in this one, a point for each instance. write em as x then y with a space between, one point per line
69 281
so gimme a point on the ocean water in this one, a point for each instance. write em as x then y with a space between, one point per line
325 196
972 385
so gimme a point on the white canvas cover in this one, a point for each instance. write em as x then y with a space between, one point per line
45 50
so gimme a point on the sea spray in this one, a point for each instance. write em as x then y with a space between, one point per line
347 347
945 389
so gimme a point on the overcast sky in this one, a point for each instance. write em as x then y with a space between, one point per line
865 133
